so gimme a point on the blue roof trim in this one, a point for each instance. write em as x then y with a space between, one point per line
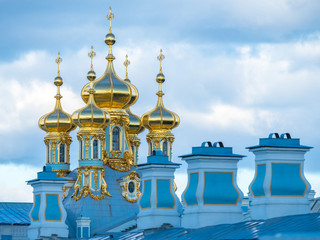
215 149
307 225
15 213
281 142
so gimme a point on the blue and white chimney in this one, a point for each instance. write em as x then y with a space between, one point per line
158 203
279 187
48 214
212 195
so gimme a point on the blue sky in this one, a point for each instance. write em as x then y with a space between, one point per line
235 71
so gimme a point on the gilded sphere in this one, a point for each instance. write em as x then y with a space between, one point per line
109 39
160 78
58 81
91 75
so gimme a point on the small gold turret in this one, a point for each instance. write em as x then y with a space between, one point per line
135 124
160 121
91 121
58 124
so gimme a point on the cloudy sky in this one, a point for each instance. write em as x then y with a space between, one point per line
235 71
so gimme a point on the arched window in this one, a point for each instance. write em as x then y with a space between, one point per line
95 149
116 138
165 148
62 153
150 148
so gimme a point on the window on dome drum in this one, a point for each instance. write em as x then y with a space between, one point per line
62 153
165 148
131 187
115 138
95 149
132 149
150 148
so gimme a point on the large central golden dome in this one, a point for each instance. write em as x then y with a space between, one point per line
110 90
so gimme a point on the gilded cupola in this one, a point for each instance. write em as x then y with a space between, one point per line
160 121
135 124
58 124
111 92
91 116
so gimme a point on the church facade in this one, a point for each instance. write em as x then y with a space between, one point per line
110 191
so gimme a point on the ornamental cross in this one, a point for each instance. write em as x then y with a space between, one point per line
126 63
91 55
160 58
58 61
109 17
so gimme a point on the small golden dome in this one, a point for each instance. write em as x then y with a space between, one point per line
91 116
57 120
135 124
110 90
160 118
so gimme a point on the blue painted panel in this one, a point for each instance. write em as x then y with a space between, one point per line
36 208
190 193
257 184
90 150
52 211
59 166
90 163
165 198
6 237
56 156
286 180
145 201
79 232
85 232
51 153
219 188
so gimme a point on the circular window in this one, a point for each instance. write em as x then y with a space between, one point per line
131 187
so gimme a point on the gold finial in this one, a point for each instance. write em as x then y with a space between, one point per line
91 55
109 17
160 58
58 61
126 63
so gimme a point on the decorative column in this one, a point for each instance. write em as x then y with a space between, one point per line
212 195
48 214
279 187
158 203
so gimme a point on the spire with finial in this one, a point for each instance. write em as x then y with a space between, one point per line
126 63
91 74
58 80
109 17
160 121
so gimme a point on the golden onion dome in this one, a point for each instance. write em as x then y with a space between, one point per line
110 90
91 116
135 124
160 118
57 120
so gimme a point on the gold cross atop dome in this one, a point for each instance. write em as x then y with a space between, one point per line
109 17
160 58
126 63
58 61
91 54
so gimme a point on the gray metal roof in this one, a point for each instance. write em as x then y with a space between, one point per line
15 213
305 226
